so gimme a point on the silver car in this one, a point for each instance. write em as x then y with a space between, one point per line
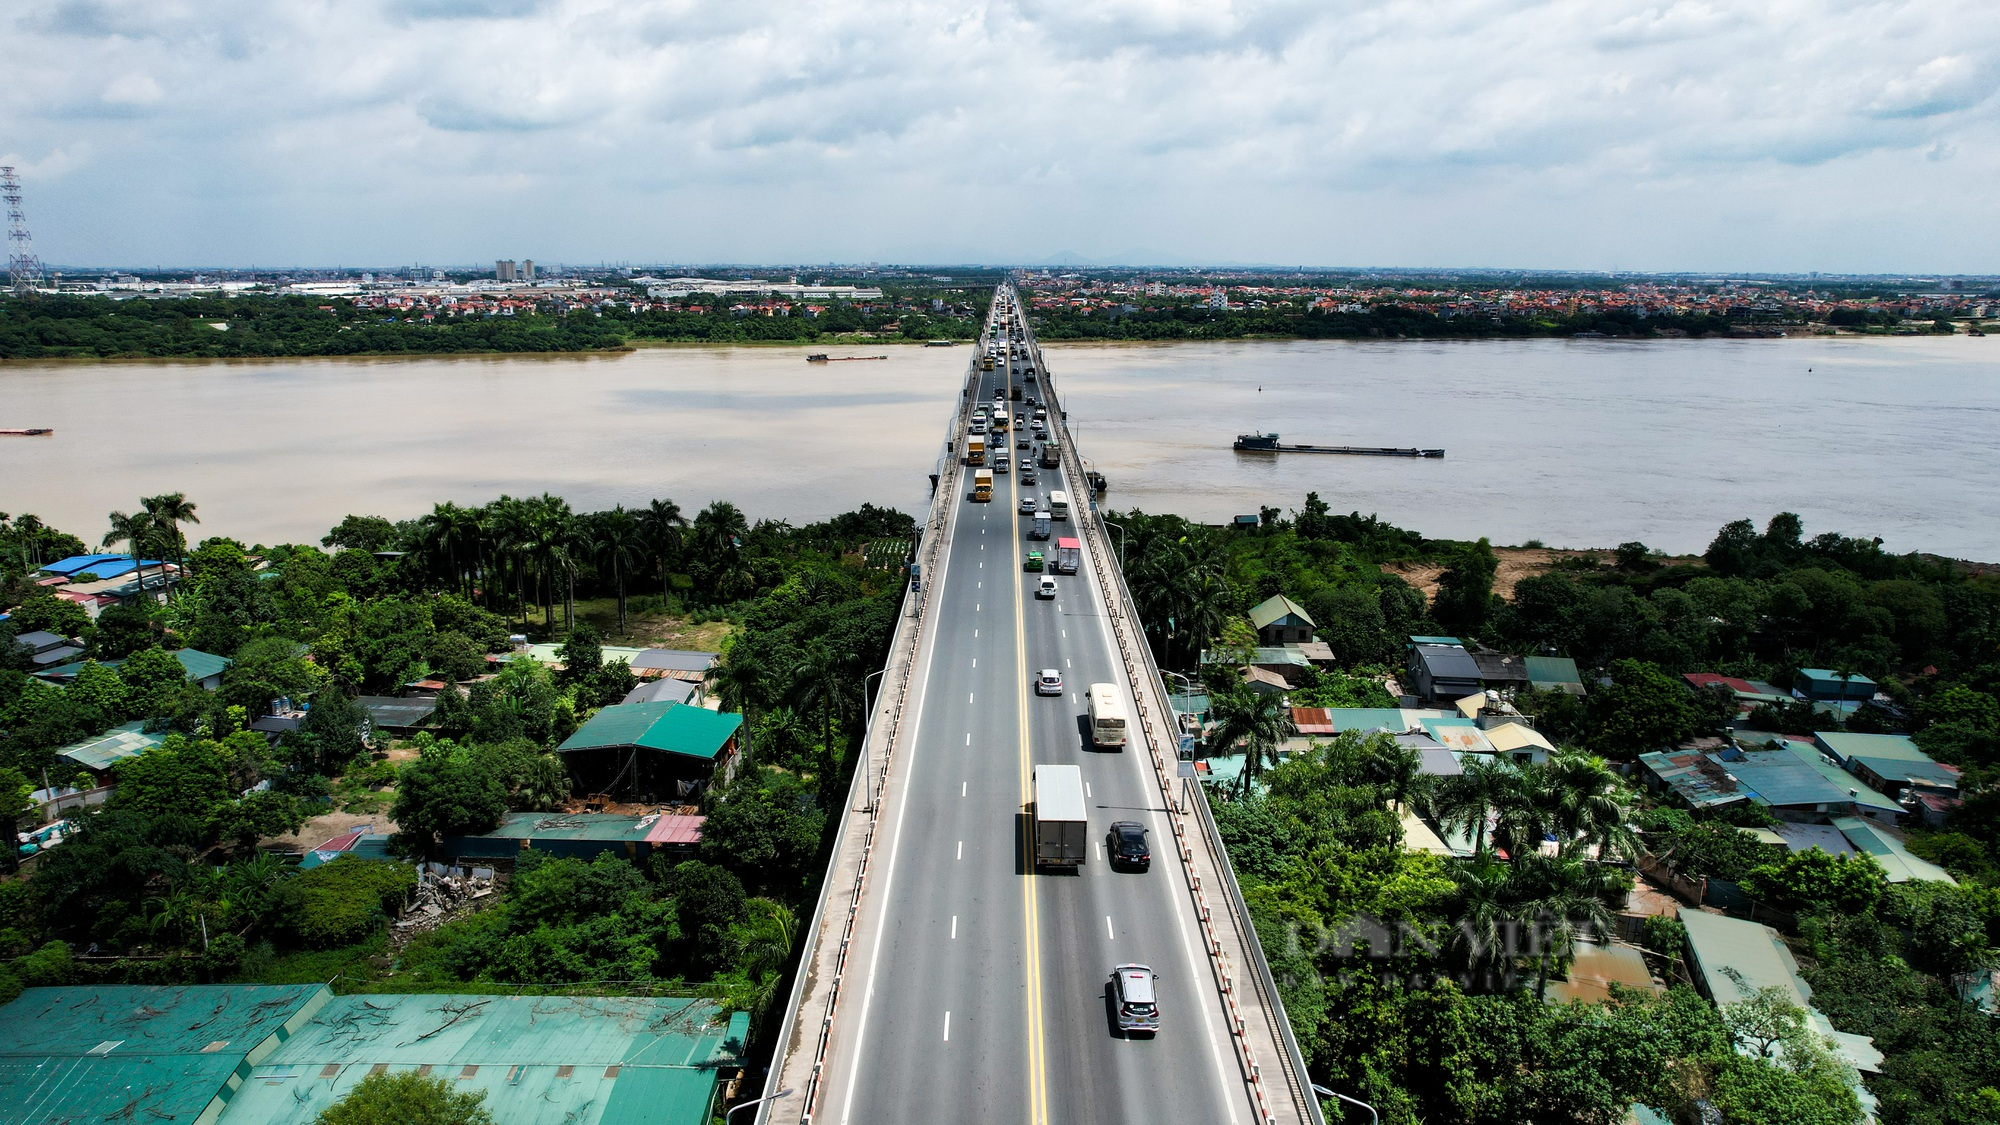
1138 1003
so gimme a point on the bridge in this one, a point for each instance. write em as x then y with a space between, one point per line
943 979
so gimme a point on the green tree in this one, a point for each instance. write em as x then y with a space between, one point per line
1254 719
1643 709
1464 602
154 680
406 1098
1813 880
442 795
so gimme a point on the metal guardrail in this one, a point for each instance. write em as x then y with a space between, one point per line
872 785
1139 663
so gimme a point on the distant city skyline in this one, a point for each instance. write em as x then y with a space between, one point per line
1783 138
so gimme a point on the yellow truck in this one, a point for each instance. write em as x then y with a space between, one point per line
982 485
975 450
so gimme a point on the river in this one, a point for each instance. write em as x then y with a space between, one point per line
1574 443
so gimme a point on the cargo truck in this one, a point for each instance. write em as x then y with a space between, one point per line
975 450
1051 455
982 485
1040 528
1061 827
1069 555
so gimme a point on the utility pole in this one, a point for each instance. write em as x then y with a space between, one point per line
24 272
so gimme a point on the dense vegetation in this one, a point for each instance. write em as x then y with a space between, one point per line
1437 1033
100 328
57 327
167 882
1198 322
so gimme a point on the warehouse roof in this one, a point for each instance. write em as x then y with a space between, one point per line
663 690
673 728
1843 746
103 751
199 665
138 1052
579 1060
1735 958
673 659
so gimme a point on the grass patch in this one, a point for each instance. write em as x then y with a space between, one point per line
360 962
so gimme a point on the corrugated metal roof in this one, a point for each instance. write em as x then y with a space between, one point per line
676 830
666 689
694 732
201 665
113 746
392 711
541 1060
1752 949
1275 607
686 660
1896 860
135 1052
1448 662
1552 670
1840 779
1462 735
1843 746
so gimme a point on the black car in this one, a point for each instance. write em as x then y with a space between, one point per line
1128 846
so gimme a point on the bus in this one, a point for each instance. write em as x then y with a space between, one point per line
1059 504
1107 715
982 485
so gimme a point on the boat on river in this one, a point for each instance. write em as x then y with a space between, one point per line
1269 443
32 431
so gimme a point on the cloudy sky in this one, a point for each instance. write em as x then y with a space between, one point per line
1839 135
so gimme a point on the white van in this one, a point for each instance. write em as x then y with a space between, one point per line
1059 505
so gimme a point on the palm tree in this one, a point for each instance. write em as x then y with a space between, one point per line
1588 806
1255 719
1567 900
1465 803
664 527
717 535
819 678
741 682
447 525
545 784
620 541
173 509
133 531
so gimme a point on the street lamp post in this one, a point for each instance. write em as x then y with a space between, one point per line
1326 1093
1121 541
753 1101
867 767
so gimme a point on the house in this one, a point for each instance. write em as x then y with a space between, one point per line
656 748
1823 685
204 669
585 835
1748 694
1554 673
592 1060
1440 670
360 843
1287 662
47 649
1519 742
1732 959
155 1053
1888 850
99 754
1888 763
396 714
1263 681
1279 621
662 690
1500 672
1595 968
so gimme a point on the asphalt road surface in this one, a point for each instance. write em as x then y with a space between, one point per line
983 985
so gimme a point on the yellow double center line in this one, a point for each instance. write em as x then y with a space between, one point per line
1038 1086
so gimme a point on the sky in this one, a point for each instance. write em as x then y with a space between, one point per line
1759 135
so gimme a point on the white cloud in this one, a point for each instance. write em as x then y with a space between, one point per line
1588 133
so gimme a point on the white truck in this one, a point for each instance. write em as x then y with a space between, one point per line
1062 827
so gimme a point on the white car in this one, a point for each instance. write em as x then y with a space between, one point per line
1046 588
1049 682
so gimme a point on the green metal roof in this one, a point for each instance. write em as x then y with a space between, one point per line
571 826
541 1060
1896 860
201 665
674 728
1552 670
1758 958
1843 746
1275 607
113 746
138 1052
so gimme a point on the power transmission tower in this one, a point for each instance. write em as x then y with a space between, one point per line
24 272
